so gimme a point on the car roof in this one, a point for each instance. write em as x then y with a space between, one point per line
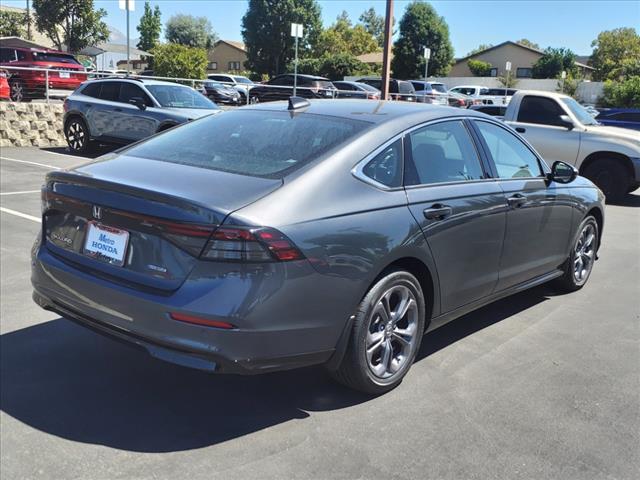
311 77
138 80
370 111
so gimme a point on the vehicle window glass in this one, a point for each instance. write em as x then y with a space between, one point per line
579 111
284 80
374 83
368 87
240 79
129 91
626 117
54 57
92 90
443 152
175 96
257 143
7 55
511 156
343 86
439 87
540 110
219 78
386 167
406 87
110 91
21 55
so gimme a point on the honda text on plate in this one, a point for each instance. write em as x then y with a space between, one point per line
334 232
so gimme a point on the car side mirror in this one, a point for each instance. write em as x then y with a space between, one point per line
562 172
565 121
138 102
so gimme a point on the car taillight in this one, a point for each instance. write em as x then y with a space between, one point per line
233 244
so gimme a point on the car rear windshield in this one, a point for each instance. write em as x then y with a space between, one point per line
175 96
251 142
54 57
439 87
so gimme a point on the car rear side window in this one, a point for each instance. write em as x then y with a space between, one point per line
92 90
540 110
511 156
110 91
7 55
386 166
443 152
257 143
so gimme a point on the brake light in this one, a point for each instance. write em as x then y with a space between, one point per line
235 244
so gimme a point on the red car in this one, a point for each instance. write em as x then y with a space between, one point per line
5 92
26 85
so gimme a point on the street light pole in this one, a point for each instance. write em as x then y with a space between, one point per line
386 51
128 39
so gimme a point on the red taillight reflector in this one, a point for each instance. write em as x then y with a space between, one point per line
181 317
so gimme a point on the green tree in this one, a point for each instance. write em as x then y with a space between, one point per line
74 23
625 93
190 31
569 85
266 31
553 62
12 24
421 26
616 54
175 60
479 68
374 24
333 66
149 29
528 43
480 48
344 38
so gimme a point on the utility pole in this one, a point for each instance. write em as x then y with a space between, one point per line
128 6
28 21
386 52
296 31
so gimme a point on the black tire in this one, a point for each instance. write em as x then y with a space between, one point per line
357 367
633 187
611 177
570 281
77 135
18 91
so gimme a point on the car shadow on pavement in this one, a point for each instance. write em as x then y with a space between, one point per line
94 152
64 380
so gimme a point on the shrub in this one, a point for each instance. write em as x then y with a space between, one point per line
622 94
173 60
479 68
333 66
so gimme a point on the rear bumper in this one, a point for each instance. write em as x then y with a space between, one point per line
279 325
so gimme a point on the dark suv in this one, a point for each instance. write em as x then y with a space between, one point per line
281 88
123 110
27 85
398 89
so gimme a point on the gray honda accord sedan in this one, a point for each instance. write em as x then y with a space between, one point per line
334 232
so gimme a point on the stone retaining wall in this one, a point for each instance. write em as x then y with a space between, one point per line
31 124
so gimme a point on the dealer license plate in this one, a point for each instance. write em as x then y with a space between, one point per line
105 243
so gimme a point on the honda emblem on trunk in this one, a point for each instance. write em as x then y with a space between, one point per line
97 212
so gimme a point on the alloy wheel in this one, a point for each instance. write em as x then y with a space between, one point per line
392 333
76 135
17 91
584 254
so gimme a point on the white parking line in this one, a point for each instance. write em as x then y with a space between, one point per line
19 193
30 163
20 214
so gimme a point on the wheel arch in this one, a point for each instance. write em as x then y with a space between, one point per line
607 155
599 216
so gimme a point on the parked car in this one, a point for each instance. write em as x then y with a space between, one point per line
124 110
620 117
5 89
498 96
146 73
430 92
561 129
259 239
109 73
497 111
476 92
281 88
398 89
241 83
347 89
221 93
27 85
459 100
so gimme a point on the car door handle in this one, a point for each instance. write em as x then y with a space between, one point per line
437 212
517 200
521 129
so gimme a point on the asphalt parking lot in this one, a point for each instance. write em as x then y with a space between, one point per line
538 386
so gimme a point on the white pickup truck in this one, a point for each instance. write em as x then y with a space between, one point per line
561 129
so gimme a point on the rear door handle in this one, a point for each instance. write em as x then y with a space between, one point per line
521 129
437 212
517 200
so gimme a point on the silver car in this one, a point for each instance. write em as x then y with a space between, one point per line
124 110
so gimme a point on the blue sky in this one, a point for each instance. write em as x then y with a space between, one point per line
571 24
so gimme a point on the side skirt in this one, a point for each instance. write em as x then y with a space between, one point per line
459 312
